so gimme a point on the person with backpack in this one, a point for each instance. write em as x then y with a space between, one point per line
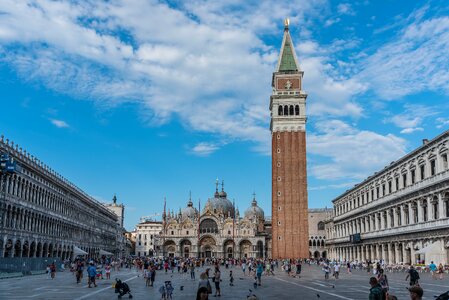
383 281
413 275
375 292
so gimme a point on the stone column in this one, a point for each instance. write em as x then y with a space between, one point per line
396 252
412 254
389 225
404 253
362 252
440 206
402 215
410 213
395 217
420 210
387 253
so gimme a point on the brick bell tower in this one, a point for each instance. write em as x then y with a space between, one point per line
290 229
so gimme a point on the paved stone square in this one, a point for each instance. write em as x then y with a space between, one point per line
310 286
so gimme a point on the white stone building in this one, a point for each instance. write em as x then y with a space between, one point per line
399 214
317 232
42 214
147 238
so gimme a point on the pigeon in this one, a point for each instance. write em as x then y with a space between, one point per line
181 288
241 278
333 286
318 295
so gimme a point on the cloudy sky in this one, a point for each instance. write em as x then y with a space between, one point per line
152 99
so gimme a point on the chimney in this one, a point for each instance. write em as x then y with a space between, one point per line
425 141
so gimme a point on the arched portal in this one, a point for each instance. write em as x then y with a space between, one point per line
245 249
316 254
186 247
259 249
17 249
228 248
208 247
33 249
170 248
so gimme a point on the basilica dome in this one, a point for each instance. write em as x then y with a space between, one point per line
220 204
254 211
189 211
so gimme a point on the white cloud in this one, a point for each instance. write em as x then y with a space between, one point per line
442 122
204 149
59 123
414 60
333 186
174 61
352 154
412 118
345 9
411 130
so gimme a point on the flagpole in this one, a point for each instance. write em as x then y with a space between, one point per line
199 214
233 229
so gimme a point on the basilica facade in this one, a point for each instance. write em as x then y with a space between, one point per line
218 230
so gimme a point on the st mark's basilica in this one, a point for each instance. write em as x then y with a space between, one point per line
217 231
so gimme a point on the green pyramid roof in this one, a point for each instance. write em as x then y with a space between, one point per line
288 62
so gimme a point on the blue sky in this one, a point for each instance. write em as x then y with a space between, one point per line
152 99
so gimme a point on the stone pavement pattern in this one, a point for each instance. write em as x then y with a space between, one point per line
309 286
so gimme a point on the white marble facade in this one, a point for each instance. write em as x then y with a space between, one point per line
398 211
218 231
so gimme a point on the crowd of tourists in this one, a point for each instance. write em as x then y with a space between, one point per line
211 277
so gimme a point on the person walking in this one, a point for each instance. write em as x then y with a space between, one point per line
433 270
92 272
192 271
326 271
375 292
383 281
52 271
217 279
413 275
336 270
204 282
441 270
231 278
259 272
108 271
244 267
79 272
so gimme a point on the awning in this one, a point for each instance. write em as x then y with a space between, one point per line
103 252
78 251
434 247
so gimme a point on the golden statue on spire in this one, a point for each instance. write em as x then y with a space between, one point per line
286 22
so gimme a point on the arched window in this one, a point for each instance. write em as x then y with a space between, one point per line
291 112
208 226
297 110
286 110
310 243
321 226
280 111
314 243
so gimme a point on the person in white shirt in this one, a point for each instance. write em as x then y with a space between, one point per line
336 270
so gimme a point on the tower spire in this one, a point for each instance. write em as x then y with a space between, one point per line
287 58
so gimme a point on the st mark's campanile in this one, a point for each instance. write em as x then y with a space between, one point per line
290 232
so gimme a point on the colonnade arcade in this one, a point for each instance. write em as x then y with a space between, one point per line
397 252
42 214
209 247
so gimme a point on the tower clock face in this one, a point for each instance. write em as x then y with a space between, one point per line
287 84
